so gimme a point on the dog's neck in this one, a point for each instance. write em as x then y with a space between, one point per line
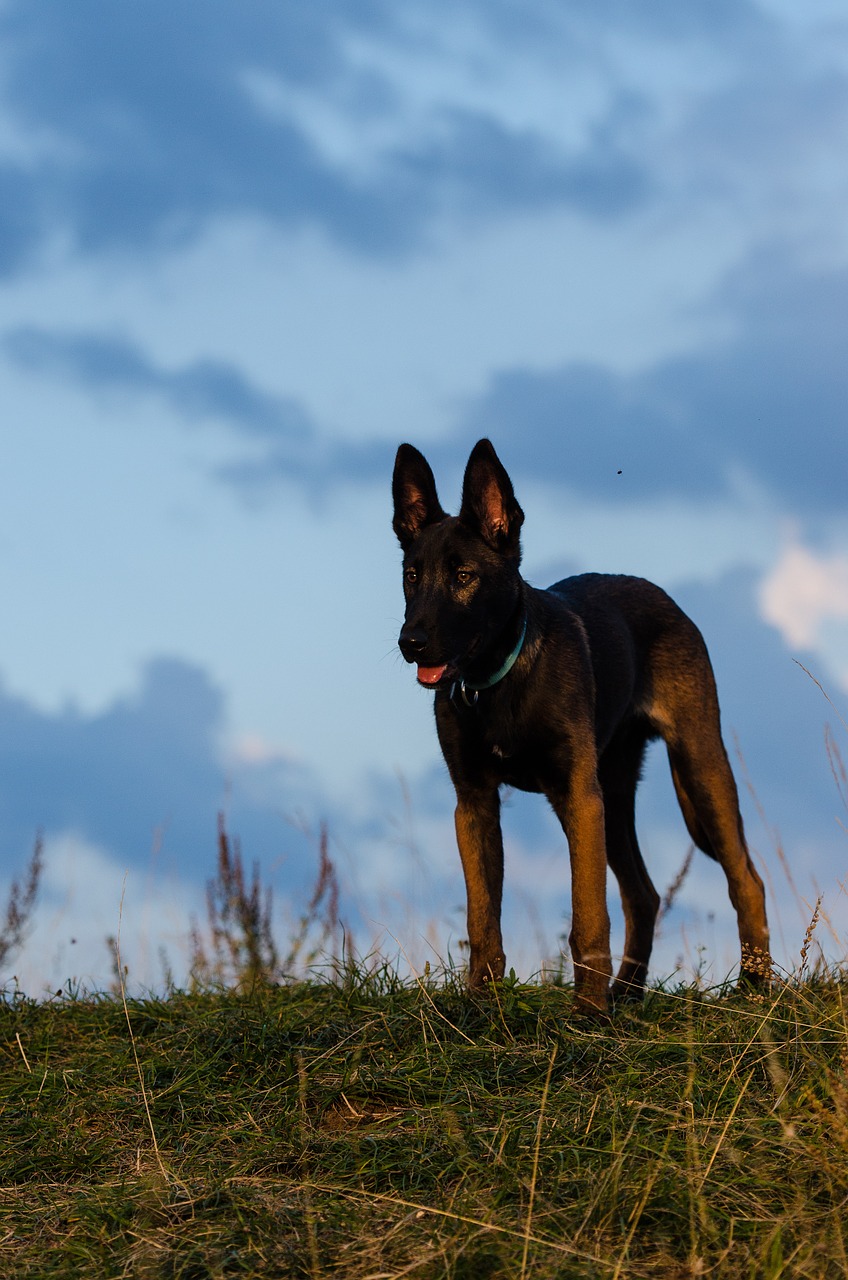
464 687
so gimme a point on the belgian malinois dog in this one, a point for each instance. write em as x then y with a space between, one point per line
559 692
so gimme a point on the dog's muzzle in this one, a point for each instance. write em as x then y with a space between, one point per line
412 643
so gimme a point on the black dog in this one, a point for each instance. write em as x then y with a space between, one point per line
559 692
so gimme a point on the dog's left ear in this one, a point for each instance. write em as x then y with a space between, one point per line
488 501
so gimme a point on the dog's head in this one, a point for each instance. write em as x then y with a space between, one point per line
460 573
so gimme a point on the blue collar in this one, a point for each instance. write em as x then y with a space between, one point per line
503 670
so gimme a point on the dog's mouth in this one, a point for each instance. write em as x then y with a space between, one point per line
441 676
432 677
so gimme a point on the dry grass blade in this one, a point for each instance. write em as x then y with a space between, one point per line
240 949
808 935
823 691
21 903
531 1201
837 764
557 1246
676 885
121 977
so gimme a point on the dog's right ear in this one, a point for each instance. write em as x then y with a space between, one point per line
414 492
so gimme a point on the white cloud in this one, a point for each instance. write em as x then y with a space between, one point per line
253 748
87 896
803 591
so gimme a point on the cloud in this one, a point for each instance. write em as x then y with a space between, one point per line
802 591
172 116
149 771
21 218
146 763
202 390
582 27
87 895
476 163
371 122
762 407
772 135
767 403
284 441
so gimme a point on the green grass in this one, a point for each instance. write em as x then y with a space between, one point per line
374 1127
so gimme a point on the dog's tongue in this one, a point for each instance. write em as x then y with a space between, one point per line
431 675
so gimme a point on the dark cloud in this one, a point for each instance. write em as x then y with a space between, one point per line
580 425
770 401
782 120
581 24
479 163
153 130
22 220
202 390
284 443
118 776
145 771
257 476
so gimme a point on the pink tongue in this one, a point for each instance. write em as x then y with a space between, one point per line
431 675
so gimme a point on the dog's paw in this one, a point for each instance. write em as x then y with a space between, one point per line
482 974
591 1007
626 995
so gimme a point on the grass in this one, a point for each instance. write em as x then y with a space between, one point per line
368 1126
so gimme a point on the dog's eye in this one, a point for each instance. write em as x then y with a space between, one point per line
410 576
464 577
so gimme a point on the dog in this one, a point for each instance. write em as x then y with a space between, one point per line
559 692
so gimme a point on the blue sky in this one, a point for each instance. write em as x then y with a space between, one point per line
244 252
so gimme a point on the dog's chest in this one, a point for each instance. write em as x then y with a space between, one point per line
515 764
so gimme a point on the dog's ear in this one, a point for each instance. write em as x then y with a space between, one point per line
488 501
414 492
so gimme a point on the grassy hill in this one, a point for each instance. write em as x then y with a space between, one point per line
365 1126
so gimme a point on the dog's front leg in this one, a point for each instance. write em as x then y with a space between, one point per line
478 834
581 812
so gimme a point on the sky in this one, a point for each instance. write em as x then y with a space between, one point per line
245 251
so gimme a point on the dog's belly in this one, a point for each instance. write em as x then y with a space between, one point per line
518 773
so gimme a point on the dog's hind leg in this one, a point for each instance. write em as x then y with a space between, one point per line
619 772
709 801
690 816
478 834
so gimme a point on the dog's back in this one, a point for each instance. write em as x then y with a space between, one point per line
648 657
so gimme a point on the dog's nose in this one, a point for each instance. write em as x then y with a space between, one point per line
412 642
